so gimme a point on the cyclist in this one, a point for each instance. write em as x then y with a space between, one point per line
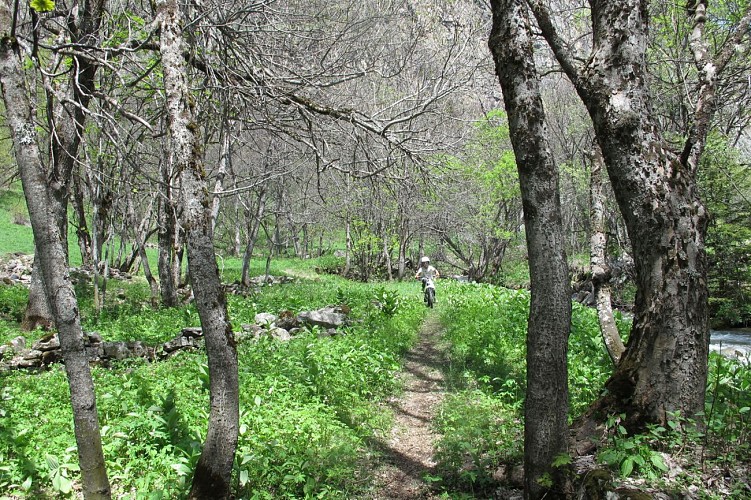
426 272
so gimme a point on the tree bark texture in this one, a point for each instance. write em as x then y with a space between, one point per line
212 478
546 405
51 257
253 224
37 313
598 262
167 237
664 367
66 122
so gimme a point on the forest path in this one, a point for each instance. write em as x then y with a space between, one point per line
408 450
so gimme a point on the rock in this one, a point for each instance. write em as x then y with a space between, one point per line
265 319
280 334
95 351
192 331
93 338
251 328
51 357
287 320
27 363
123 350
18 344
47 343
179 342
328 317
138 349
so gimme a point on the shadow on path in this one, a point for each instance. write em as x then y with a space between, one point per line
407 453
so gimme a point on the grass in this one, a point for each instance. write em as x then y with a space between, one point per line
15 231
308 406
481 423
311 406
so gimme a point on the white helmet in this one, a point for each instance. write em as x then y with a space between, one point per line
424 259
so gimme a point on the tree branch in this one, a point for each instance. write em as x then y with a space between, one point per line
557 44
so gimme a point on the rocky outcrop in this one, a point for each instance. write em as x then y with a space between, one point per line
282 327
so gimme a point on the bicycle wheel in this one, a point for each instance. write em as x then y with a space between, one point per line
430 296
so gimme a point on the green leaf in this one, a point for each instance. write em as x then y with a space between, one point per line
52 463
181 469
42 5
562 459
65 485
627 467
243 477
658 462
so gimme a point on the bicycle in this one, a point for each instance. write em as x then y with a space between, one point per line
428 287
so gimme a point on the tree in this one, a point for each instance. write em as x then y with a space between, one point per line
664 368
212 477
480 210
598 262
45 206
546 404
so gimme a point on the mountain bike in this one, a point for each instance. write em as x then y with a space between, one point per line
428 287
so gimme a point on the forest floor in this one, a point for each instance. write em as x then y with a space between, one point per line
407 453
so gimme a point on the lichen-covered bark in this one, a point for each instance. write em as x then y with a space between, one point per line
214 469
664 368
665 365
51 257
546 405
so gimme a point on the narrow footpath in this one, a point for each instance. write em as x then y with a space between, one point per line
408 451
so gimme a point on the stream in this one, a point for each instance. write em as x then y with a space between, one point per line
732 342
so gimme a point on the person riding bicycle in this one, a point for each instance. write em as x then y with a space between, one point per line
426 272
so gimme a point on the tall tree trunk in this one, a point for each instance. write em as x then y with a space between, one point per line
51 258
664 367
139 237
82 230
238 232
167 236
385 250
347 246
37 313
66 122
225 157
403 243
546 405
254 223
598 261
212 478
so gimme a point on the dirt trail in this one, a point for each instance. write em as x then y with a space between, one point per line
408 451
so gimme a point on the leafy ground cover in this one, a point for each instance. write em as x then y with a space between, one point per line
481 422
308 406
311 408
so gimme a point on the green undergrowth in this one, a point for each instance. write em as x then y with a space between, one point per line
309 407
15 231
481 422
